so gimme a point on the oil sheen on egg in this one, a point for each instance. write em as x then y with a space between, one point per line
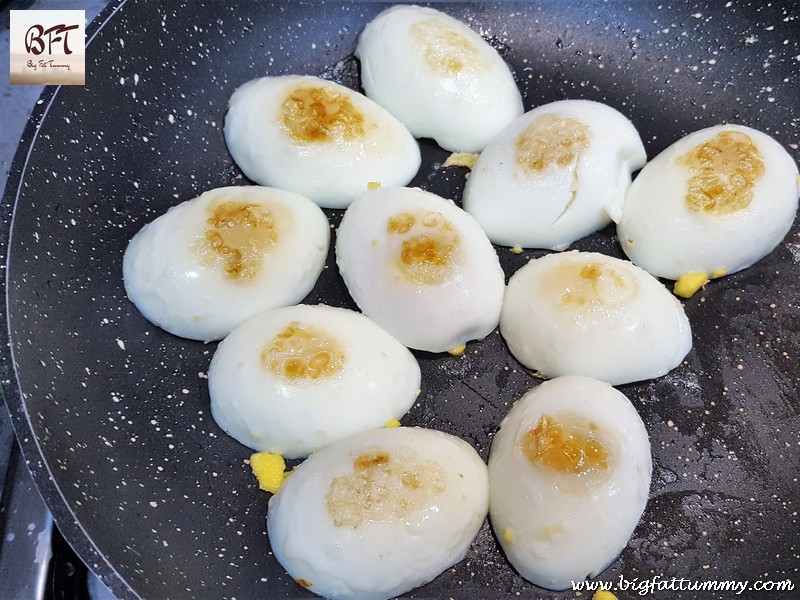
420 267
437 76
295 379
379 513
584 313
569 478
713 203
555 175
209 264
317 138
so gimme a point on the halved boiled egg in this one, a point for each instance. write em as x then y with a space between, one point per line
438 76
420 267
295 379
209 264
379 513
555 175
317 138
713 203
584 313
569 478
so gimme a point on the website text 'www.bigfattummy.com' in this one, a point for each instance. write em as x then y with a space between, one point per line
655 584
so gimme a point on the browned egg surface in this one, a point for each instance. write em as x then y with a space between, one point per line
725 169
321 114
445 50
385 485
431 253
552 141
565 444
580 285
236 237
303 351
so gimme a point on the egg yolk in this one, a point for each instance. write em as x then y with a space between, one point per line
236 237
688 283
302 351
565 444
431 254
462 159
444 49
269 469
321 114
384 486
725 169
583 286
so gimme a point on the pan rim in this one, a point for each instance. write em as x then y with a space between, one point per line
10 389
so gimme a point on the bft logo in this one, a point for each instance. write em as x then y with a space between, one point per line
35 38
47 47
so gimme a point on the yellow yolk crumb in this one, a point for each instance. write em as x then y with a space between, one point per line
269 468
373 185
508 535
462 159
458 350
603 595
392 423
516 250
689 283
717 273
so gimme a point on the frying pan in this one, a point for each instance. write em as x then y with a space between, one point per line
113 413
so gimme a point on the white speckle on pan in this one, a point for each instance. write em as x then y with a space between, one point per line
153 503
121 344
135 79
171 119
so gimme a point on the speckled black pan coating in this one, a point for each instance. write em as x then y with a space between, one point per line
113 413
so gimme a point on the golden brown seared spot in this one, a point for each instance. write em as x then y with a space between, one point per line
565 444
303 351
321 114
384 486
444 48
400 223
237 236
580 285
431 252
552 141
725 169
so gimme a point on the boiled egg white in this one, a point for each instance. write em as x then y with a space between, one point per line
209 264
569 478
437 76
584 313
555 175
714 202
317 138
379 513
295 379
420 267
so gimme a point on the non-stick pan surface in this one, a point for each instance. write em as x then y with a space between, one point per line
113 413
